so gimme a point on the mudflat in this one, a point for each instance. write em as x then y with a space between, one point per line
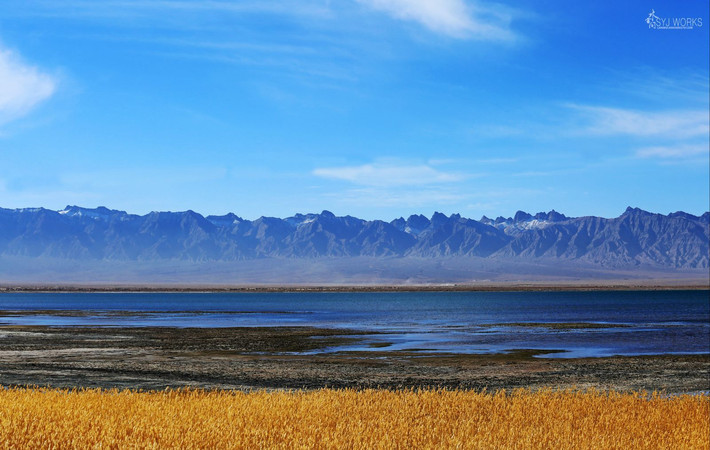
302 358
504 286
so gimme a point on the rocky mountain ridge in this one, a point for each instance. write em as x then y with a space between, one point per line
677 240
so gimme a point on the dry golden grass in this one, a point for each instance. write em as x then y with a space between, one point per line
46 418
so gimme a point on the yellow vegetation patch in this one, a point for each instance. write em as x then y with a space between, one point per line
48 418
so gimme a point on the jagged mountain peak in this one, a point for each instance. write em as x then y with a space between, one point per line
637 237
438 219
186 213
684 215
418 220
415 224
399 223
636 211
98 213
228 219
299 219
552 216
522 216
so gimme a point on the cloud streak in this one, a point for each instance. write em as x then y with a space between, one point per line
454 18
673 152
22 86
616 121
382 175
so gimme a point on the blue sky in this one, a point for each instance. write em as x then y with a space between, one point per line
373 108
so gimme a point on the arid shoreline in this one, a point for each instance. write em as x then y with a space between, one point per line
615 285
296 358
303 357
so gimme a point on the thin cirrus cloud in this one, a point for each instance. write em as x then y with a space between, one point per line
617 121
454 18
22 86
382 175
673 152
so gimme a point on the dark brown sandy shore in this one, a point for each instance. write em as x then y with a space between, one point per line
292 358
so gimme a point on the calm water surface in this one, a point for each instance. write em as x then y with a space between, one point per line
633 323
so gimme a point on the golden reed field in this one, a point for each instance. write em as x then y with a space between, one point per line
48 418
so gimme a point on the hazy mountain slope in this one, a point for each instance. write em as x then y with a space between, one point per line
636 238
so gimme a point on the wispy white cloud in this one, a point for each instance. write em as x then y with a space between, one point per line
675 136
474 19
391 182
673 151
681 86
455 18
388 175
22 86
318 45
600 120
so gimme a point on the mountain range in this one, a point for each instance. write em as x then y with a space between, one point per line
677 241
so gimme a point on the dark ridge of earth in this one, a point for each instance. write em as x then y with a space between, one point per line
593 285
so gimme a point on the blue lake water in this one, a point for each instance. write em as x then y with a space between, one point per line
635 322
